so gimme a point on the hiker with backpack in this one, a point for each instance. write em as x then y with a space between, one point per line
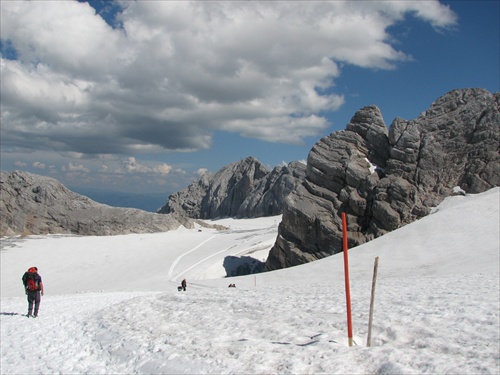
33 287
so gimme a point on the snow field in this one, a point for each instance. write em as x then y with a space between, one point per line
436 304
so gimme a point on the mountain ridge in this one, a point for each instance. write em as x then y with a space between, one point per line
33 204
383 178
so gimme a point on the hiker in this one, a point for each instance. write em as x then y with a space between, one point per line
33 286
183 284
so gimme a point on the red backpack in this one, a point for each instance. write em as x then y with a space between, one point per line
31 282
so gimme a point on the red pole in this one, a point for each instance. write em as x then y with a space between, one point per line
346 273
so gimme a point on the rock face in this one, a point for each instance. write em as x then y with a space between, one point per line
243 189
386 179
32 204
267 198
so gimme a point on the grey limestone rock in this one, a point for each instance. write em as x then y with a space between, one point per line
266 199
383 179
243 189
230 187
32 204
187 202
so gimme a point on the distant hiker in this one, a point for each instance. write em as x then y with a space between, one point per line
232 286
183 284
33 286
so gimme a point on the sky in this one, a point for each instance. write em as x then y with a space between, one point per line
144 97
111 304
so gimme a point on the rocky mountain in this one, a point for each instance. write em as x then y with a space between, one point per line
32 204
382 178
243 189
267 198
386 178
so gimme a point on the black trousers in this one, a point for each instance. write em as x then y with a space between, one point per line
33 299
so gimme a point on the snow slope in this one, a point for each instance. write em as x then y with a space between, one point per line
111 303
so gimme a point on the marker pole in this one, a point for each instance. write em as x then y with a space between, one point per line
346 273
372 300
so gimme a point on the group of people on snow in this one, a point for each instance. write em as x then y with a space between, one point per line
33 287
183 286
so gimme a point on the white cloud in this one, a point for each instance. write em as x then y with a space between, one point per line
202 171
179 71
131 165
72 167
38 165
20 164
437 14
67 36
162 169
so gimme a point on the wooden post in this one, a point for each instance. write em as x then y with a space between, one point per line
346 273
370 320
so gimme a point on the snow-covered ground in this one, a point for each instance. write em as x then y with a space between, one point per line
112 305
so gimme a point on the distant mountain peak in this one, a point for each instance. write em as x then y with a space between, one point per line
241 189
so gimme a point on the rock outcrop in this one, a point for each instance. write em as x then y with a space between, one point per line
267 197
383 179
32 204
243 189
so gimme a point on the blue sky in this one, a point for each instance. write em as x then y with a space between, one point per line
143 97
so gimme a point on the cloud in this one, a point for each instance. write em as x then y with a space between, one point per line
72 167
202 171
38 165
162 169
173 73
131 165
